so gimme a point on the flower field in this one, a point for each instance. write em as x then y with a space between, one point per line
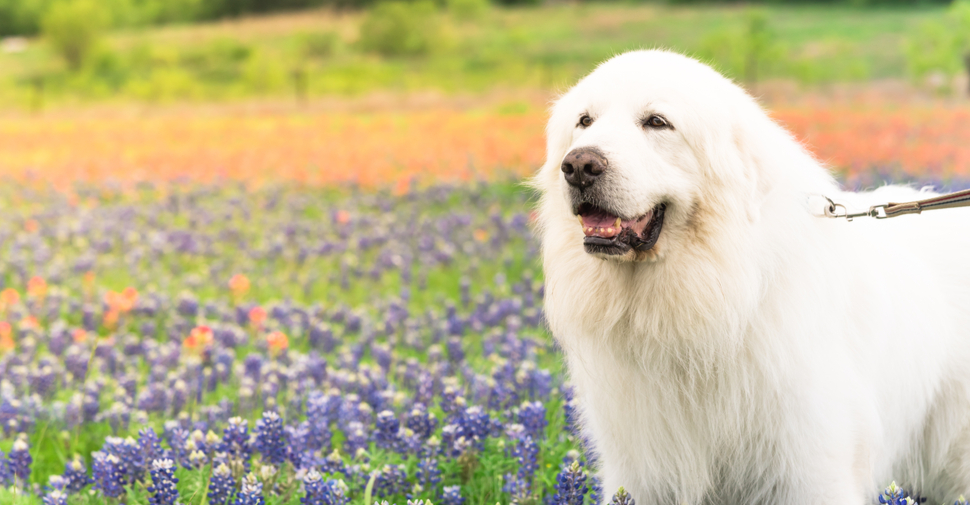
281 344
446 145
315 308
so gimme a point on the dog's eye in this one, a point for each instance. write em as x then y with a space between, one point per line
656 121
585 121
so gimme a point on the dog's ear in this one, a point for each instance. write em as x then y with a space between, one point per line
730 155
753 165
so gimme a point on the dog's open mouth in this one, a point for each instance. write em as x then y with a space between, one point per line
609 234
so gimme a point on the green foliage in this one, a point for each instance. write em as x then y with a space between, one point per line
317 45
467 10
399 28
746 50
21 17
545 47
941 46
73 29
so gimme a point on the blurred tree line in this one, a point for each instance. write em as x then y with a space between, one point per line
405 43
26 17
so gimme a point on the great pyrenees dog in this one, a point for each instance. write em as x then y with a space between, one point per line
727 344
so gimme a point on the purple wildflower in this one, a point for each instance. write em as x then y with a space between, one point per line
320 491
391 480
221 485
76 475
235 440
571 486
623 498
251 492
422 422
20 460
388 432
163 490
532 416
6 474
55 497
452 496
109 474
269 438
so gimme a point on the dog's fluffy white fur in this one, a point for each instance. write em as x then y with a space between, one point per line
757 353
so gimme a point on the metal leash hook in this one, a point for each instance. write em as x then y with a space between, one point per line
832 210
887 210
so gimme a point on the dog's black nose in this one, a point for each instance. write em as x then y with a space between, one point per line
582 166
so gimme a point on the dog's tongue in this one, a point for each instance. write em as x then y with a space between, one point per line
599 223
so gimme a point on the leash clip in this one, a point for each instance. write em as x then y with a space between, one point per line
832 210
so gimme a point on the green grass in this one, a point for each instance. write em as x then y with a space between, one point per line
545 47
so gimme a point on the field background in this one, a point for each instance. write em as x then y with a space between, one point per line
184 181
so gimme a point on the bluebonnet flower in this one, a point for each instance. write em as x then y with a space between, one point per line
109 474
76 475
221 485
269 438
320 491
622 498
318 429
356 438
163 490
387 434
467 430
334 464
20 460
235 441
129 454
456 354
895 495
55 497
571 486
532 415
251 492
6 474
391 479
525 451
422 422
595 489
315 487
428 474
961 501
151 446
452 496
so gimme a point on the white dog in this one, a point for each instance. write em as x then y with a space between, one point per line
729 346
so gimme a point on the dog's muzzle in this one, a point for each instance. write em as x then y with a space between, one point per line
609 234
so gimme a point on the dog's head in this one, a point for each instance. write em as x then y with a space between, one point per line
637 147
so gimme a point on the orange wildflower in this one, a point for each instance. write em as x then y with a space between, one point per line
9 297
239 285
79 336
111 318
343 217
37 287
28 323
31 225
480 235
6 337
199 339
87 283
122 302
277 342
257 315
